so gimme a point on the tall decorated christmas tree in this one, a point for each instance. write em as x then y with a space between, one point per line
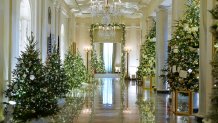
214 95
75 70
33 95
147 56
55 75
183 57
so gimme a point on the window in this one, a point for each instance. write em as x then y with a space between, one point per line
24 24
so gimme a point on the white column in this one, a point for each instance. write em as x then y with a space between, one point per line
73 28
150 23
44 31
5 47
161 44
205 57
1 56
57 22
178 9
143 26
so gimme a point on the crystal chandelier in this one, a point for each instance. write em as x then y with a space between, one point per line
107 13
107 31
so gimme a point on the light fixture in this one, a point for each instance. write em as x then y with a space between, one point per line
108 12
127 50
86 111
87 50
127 111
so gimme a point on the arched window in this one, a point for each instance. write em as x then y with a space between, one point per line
24 24
62 43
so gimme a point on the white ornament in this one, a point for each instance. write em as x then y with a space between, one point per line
189 70
194 29
32 77
24 75
186 27
183 73
216 45
45 90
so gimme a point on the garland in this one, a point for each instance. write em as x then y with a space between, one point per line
117 26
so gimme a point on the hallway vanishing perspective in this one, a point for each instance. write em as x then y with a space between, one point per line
108 103
108 61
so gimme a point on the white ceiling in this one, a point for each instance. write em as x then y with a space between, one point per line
82 7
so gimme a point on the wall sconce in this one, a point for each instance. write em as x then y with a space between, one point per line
87 50
127 50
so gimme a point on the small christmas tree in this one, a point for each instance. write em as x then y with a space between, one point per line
147 57
214 95
94 60
100 66
55 75
29 89
183 57
75 70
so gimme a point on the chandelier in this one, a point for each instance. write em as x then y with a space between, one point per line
105 13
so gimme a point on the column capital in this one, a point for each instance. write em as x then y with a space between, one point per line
163 8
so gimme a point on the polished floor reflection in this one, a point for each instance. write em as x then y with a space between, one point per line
110 105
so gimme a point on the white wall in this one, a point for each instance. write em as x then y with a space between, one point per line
133 39
82 38
1 55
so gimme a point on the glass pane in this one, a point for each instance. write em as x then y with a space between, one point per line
183 102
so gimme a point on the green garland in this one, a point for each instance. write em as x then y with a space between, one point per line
183 57
147 57
118 26
214 95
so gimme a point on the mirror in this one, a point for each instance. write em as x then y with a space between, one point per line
110 55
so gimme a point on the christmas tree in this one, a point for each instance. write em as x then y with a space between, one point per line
100 66
75 70
214 95
147 57
183 57
30 91
55 75
94 60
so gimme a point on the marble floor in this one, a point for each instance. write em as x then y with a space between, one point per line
111 105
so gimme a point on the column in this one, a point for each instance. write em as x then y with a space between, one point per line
150 23
178 9
161 44
5 48
205 57
143 26
1 56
